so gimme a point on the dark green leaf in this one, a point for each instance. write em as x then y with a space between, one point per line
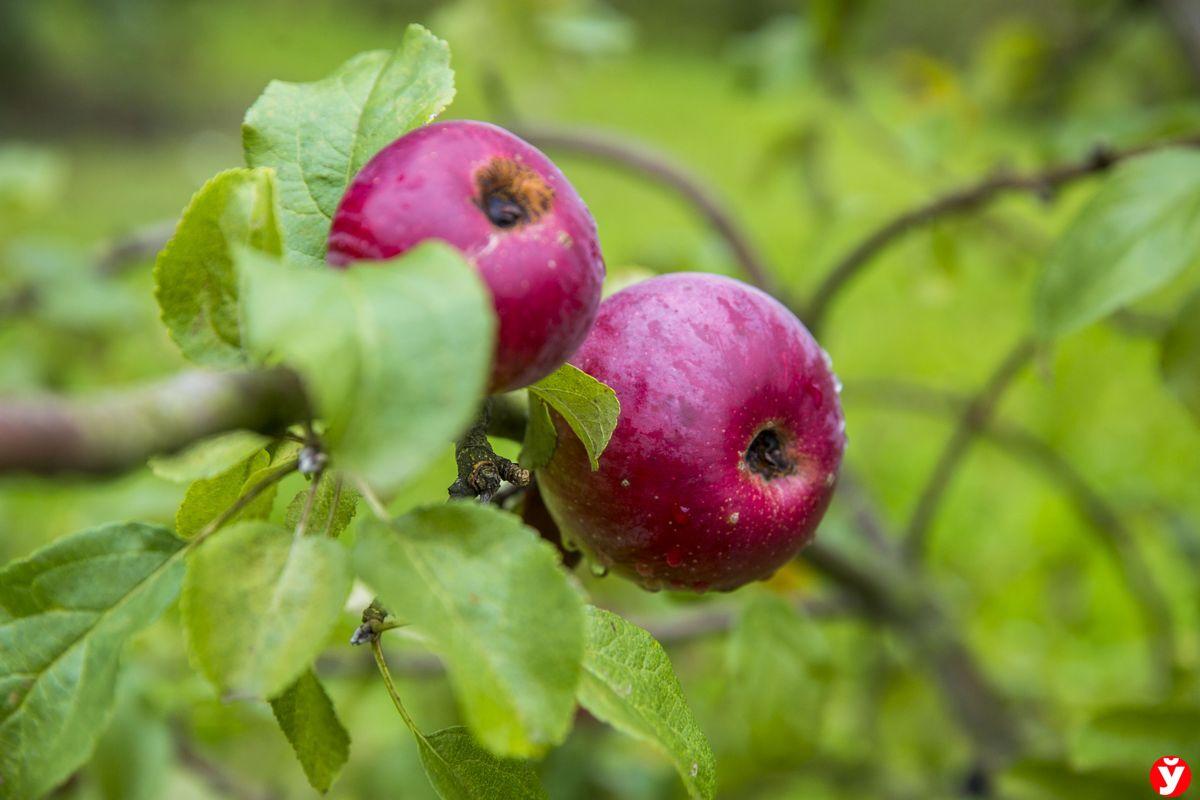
488 596
318 135
460 769
307 718
1141 229
194 277
396 355
1181 356
629 683
588 406
74 604
258 604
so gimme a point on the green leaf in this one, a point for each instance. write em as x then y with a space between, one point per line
1141 229
395 356
629 683
317 136
777 665
210 457
332 510
540 436
489 597
194 277
73 606
258 604
1180 356
207 499
307 718
1137 735
1055 780
587 405
460 769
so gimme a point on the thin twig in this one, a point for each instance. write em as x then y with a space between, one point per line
973 419
381 663
963 200
644 161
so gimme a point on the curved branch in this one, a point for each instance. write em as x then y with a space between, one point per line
641 159
1089 502
973 419
960 201
108 433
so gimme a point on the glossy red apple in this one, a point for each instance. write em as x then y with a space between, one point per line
728 444
509 210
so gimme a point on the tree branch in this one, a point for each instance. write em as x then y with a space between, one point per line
961 201
480 469
659 168
973 419
108 433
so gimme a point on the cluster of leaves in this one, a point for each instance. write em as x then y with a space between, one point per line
394 359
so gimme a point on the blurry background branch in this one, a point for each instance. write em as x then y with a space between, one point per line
116 431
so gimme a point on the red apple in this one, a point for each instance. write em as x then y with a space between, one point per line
509 210
728 445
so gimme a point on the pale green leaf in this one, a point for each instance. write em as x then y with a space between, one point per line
318 135
333 507
489 597
1180 357
629 683
307 718
207 499
777 666
194 277
1140 229
258 604
210 457
460 769
540 436
396 355
73 606
588 406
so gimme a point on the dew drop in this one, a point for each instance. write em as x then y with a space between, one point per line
625 690
814 392
695 770
733 518
643 569
598 569
674 557
625 483
681 515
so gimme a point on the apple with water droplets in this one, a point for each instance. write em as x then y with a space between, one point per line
510 211
728 445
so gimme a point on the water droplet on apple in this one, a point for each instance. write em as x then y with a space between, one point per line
643 569
681 515
598 569
814 392
733 518
625 483
674 557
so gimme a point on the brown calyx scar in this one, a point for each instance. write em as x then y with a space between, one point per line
768 457
511 194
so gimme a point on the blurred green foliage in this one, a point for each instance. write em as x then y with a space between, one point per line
815 121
